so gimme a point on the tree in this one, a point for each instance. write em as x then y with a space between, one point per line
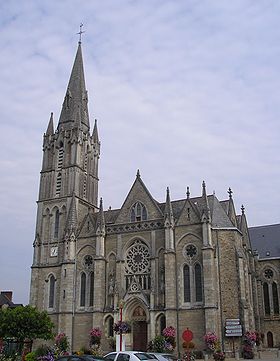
25 323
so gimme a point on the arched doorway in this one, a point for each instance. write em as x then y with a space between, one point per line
269 339
139 329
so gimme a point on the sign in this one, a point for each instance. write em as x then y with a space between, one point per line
187 335
233 327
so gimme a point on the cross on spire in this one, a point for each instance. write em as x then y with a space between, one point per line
80 33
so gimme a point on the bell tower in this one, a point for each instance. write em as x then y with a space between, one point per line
68 189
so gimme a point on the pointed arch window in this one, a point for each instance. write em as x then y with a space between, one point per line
266 299
110 324
138 212
51 291
83 290
91 288
56 224
275 298
162 323
187 285
198 283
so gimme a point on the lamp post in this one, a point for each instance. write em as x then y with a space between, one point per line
121 318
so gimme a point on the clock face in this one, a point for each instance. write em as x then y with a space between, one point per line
54 251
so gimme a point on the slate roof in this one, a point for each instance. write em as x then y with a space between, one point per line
266 240
217 209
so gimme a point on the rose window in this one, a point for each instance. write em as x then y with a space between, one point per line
138 258
268 273
88 261
190 251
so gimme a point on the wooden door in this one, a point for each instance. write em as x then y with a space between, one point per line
269 339
140 335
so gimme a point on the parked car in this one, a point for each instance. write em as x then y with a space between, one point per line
163 356
79 358
129 356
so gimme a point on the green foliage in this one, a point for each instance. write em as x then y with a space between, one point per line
25 322
42 350
157 344
31 356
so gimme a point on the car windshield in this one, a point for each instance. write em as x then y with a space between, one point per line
144 356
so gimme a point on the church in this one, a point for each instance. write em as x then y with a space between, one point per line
188 263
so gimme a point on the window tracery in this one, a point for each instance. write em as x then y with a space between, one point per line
137 265
138 212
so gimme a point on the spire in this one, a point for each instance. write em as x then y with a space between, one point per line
74 111
231 210
168 212
206 208
101 218
95 132
50 126
72 220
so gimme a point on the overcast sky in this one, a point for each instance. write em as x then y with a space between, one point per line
184 90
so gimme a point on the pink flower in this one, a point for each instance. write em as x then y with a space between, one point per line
169 332
95 332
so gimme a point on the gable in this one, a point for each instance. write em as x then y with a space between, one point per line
139 193
87 227
189 214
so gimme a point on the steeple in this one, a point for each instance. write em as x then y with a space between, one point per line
74 111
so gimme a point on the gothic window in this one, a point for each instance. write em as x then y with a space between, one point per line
56 224
91 288
268 273
137 265
110 324
275 298
83 290
138 212
198 283
88 261
266 299
187 285
190 251
162 324
51 291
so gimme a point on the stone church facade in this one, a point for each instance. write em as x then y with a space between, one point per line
186 263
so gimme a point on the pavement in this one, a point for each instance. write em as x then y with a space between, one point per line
267 355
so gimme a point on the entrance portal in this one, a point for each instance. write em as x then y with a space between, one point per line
139 329
269 339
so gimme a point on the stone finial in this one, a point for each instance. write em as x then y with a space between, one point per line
188 192
138 174
230 193
242 209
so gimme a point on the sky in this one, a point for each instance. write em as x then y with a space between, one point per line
184 91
